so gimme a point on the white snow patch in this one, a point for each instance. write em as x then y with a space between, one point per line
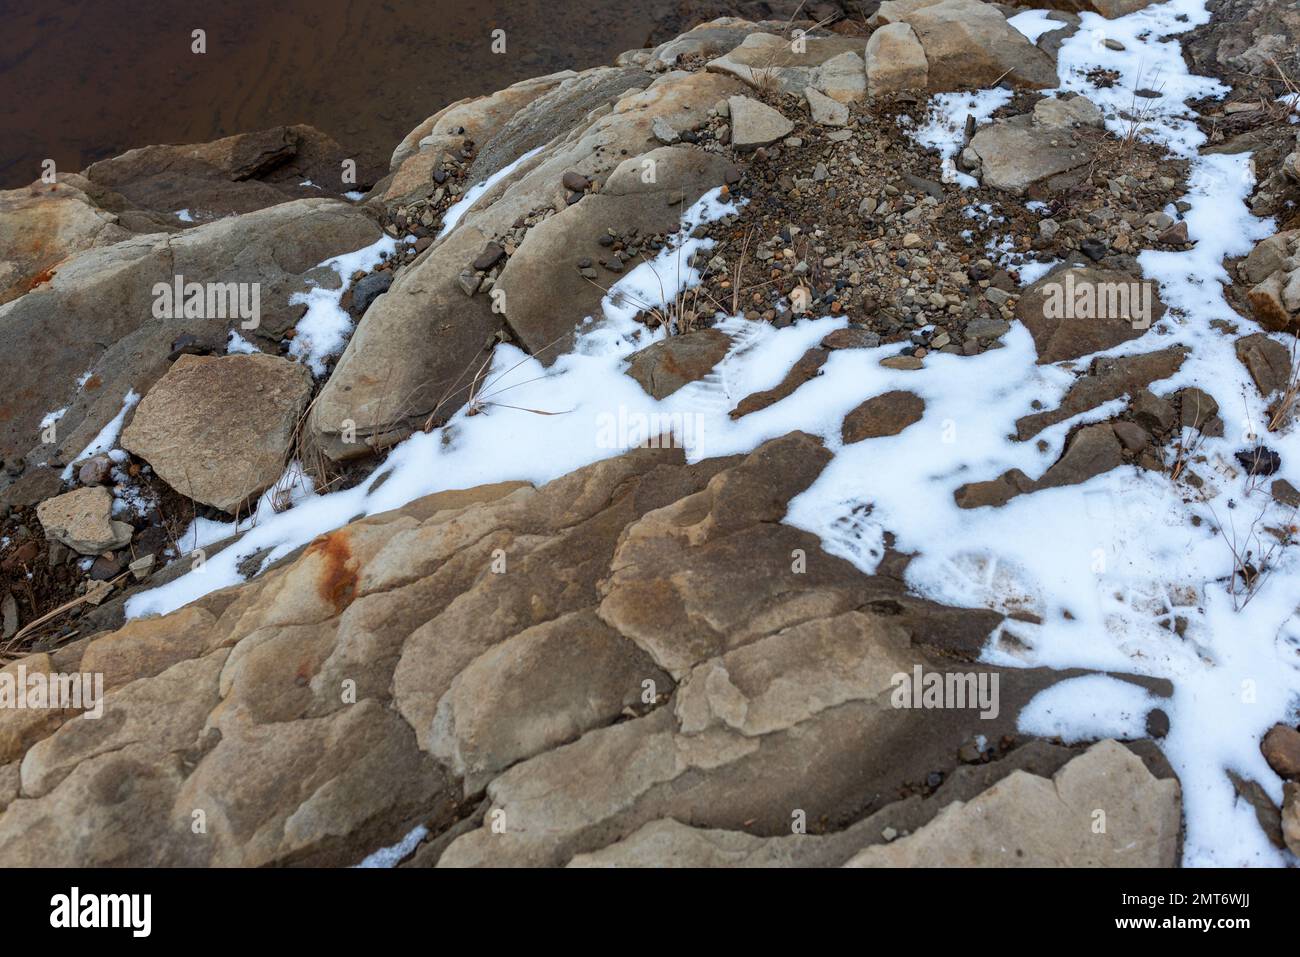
325 328
106 440
458 209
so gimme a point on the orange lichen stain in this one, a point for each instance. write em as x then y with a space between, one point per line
337 581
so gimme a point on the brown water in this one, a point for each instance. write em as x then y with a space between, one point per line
84 79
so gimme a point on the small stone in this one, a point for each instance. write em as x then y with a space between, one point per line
96 470
1175 235
663 131
1281 749
141 567
575 182
469 281
492 254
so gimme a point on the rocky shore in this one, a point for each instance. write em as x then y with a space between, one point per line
611 480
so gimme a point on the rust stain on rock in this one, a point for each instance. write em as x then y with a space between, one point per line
337 581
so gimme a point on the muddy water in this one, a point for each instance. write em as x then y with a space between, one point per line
84 79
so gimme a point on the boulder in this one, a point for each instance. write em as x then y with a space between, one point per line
968 43
683 667
896 60
220 429
1281 749
41 226
1091 451
83 520
100 314
412 355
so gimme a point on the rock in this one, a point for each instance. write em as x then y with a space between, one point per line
881 415
1291 816
1132 436
1109 379
667 365
767 62
367 289
8 616
1074 311
220 429
1267 305
1030 821
994 493
843 78
1259 461
663 131
1021 156
1175 235
824 110
393 671
1198 410
103 313
1092 451
96 470
1153 413
970 44
852 337
755 124
542 302
1267 361
492 254
575 182
895 60
1285 493
83 520
496 713
1266 812
41 226
1064 112
805 368
230 176
1281 749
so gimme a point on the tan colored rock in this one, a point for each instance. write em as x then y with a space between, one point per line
1021 156
97 313
538 690
896 60
755 124
83 520
970 44
1291 816
824 110
220 429
42 225
767 62
1103 809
